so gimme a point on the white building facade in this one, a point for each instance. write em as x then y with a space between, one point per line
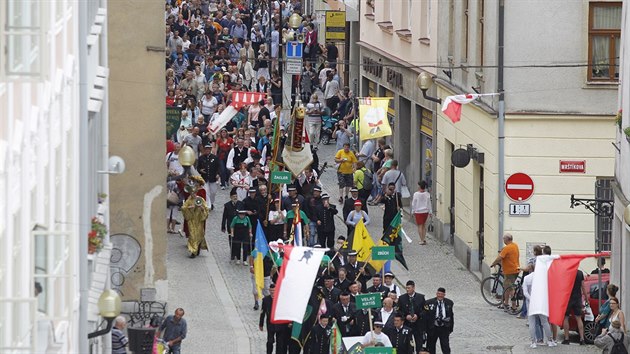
555 124
53 140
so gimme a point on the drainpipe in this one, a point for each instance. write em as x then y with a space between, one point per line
84 174
103 60
501 119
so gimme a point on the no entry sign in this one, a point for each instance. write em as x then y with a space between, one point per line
519 187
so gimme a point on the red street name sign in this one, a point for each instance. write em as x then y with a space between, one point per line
570 166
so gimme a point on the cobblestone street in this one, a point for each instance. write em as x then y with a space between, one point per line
218 302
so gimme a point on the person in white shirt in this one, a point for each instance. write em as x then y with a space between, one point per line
421 209
388 281
387 311
371 339
532 318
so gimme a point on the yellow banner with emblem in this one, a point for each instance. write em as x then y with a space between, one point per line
373 121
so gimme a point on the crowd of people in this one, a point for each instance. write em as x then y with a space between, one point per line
610 321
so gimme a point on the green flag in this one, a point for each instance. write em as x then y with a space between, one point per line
391 236
336 344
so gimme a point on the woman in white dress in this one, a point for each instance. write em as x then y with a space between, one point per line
241 180
275 44
421 209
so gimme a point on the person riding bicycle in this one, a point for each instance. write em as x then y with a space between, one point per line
509 260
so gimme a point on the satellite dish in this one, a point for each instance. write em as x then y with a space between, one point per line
460 158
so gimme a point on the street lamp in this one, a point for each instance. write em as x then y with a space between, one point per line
187 156
109 308
424 82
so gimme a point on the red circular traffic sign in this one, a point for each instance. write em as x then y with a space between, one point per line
519 187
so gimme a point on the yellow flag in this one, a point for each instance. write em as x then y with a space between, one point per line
373 121
362 243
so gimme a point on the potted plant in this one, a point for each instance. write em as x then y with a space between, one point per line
627 132
618 118
96 235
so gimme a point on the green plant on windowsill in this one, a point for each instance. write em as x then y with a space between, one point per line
627 132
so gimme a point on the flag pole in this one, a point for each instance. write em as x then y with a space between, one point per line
364 265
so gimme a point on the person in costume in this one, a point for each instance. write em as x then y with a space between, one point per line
195 211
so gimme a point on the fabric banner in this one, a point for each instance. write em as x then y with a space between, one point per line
554 276
244 98
228 113
391 236
362 243
373 121
261 249
298 161
295 283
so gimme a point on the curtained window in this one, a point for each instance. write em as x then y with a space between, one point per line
604 32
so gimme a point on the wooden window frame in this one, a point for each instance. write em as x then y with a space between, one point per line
614 35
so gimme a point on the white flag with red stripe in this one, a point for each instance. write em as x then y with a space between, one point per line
295 283
554 276
452 105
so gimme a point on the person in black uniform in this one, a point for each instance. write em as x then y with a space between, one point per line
362 322
344 311
411 305
293 197
274 331
229 212
401 335
251 205
356 271
319 340
378 287
208 166
330 292
439 321
324 216
241 234
342 282
393 203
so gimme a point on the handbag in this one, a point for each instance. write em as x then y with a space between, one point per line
172 198
404 192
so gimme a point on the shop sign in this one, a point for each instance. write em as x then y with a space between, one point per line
426 122
572 166
335 25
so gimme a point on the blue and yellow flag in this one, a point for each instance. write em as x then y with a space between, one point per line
261 248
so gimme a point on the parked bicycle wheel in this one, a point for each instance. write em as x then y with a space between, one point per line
492 290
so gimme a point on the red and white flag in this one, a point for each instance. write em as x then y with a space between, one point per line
552 284
452 105
295 283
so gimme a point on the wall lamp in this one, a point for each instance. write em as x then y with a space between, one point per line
109 308
424 82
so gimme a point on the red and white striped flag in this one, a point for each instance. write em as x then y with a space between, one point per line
295 283
452 105
554 276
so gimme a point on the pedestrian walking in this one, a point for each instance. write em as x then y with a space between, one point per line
173 331
209 166
440 321
325 220
119 339
357 215
275 332
346 160
421 210
536 319
411 305
401 336
241 235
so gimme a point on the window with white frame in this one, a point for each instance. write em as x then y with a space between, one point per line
23 37
604 34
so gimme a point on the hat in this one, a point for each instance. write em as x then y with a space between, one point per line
389 274
325 196
341 237
328 277
352 254
252 190
291 188
354 189
208 146
441 290
358 203
276 200
272 286
233 191
281 128
317 188
241 211
378 323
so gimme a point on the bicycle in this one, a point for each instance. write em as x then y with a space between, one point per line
492 290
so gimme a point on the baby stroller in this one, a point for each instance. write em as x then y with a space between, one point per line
328 126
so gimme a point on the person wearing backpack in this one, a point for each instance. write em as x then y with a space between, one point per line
363 180
613 340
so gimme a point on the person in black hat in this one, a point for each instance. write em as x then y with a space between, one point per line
241 234
439 319
208 166
252 205
306 181
313 204
230 212
324 216
411 305
378 287
344 311
356 270
330 292
393 203
293 197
